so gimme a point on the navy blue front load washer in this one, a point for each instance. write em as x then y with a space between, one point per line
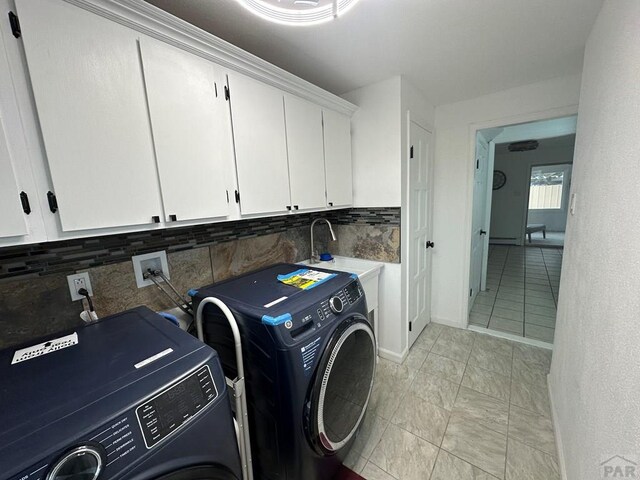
131 397
309 359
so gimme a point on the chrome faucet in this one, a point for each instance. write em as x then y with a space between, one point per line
314 255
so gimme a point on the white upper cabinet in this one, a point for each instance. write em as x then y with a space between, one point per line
306 153
12 216
88 86
191 131
257 113
337 157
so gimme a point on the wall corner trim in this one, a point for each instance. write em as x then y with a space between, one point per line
393 356
556 430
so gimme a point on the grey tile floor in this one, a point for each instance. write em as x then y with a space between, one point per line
522 292
462 406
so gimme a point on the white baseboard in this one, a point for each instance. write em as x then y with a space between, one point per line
556 430
393 356
448 323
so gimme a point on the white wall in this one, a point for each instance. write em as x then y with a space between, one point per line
376 143
595 374
456 125
379 151
509 203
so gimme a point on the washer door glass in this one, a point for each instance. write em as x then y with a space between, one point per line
343 383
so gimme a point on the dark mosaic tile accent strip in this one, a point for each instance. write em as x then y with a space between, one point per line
69 256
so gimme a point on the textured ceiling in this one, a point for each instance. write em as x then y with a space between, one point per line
451 50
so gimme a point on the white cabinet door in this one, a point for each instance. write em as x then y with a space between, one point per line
306 156
337 157
12 217
257 113
191 131
88 85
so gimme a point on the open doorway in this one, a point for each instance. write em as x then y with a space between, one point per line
521 197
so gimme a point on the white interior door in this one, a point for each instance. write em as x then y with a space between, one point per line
419 183
306 155
257 113
89 91
191 131
12 221
479 221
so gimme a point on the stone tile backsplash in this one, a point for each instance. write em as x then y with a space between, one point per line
33 288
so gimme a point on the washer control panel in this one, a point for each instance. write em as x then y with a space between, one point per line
310 320
165 413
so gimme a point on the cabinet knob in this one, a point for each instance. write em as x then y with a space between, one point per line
331 204
289 207
155 219
173 218
295 207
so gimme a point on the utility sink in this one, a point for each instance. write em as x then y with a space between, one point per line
363 268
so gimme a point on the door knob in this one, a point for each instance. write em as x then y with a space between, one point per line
482 232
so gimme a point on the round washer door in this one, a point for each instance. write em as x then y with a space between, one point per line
342 386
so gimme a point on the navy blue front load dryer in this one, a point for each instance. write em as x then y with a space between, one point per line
309 358
131 397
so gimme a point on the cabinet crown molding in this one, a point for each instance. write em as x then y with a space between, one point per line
157 23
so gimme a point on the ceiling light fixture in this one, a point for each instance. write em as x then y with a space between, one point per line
298 12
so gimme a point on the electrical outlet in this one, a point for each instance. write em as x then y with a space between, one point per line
78 281
154 261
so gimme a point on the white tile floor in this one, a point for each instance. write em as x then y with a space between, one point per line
462 406
522 292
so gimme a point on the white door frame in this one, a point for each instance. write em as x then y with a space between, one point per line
473 130
487 215
411 117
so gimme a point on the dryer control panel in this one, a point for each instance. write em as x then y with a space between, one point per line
165 413
126 438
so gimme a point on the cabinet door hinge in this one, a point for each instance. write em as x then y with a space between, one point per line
237 196
411 152
24 199
477 164
227 93
470 292
410 326
227 195
53 201
15 25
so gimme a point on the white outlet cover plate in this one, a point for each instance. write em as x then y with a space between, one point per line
72 287
137 267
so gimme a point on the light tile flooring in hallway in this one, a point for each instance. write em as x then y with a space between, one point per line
462 406
522 292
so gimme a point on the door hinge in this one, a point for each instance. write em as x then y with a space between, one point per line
477 163
410 326
237 196
53 201
24 199
411 152
471 292
15 25
227 93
